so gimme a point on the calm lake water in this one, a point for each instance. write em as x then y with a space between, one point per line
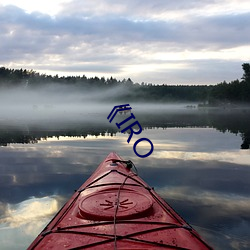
200 166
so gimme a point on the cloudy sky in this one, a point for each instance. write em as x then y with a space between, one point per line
157 41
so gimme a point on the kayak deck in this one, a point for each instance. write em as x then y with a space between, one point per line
116 209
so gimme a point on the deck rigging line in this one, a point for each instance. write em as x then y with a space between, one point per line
115 237
129 164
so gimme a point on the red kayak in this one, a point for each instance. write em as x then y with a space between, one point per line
116 209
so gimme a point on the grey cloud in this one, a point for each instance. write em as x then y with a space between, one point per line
209 71
98 39
85 68
135 8
229 31
219 31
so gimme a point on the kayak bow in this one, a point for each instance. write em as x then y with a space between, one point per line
116 209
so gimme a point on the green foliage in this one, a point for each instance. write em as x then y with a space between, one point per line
246 75
234 92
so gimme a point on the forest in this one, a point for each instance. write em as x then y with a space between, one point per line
224 93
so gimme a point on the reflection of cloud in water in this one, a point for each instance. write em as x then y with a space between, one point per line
237 157
29 212
22 222
194 139
227 240
68 155
228 203
226 216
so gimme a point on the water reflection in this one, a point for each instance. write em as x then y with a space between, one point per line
31 210
81 125
21 221
195 167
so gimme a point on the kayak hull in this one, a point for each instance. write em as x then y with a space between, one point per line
116 209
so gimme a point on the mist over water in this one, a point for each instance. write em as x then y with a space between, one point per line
56 103
58 107
52 103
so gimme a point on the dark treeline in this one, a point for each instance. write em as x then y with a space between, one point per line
236 91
